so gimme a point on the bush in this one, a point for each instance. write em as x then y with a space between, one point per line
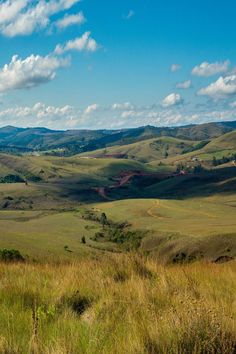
78 303
11 179
11 255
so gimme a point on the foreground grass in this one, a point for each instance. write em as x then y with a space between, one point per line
117 304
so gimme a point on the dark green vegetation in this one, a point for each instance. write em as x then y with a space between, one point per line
11 255
144 189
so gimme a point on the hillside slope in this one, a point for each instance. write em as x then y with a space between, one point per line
147 150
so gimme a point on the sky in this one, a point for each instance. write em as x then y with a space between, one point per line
102 64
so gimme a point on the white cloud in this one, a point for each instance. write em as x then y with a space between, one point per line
184 85
29 72
23 17
209 69
10 9
92 108
83 43
71 20
172 100
175 67
122 106
222 88
40 115
101 117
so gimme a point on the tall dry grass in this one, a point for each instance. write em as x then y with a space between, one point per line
117 304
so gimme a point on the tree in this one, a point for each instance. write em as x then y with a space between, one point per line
165 154
214 161
103 220
198 169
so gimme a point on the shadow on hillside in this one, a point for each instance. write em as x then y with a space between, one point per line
218 181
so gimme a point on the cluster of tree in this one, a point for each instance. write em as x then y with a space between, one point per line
11 179
119 233
31 177
10 255
190 169
196 147
223 160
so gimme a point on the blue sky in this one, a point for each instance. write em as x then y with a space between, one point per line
69 64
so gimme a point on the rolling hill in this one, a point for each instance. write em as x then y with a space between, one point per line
146 151
149 184
71 142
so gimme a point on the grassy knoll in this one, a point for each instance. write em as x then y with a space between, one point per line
197 227
117 304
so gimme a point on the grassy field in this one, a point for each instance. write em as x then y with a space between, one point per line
196 226
41 235
117 304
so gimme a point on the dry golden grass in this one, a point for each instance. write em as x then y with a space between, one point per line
117 304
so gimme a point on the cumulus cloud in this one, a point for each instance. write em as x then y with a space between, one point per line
172 100
92 108
222 88
71 20
29 72
175 67
83 43
184 85
209 69
23 17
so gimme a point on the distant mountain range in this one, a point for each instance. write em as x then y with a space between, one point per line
70 142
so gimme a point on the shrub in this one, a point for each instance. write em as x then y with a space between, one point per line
66 248
78 303
11 255
11 179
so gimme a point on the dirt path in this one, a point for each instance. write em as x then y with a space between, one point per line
152 211
102 192
161 204
125 178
